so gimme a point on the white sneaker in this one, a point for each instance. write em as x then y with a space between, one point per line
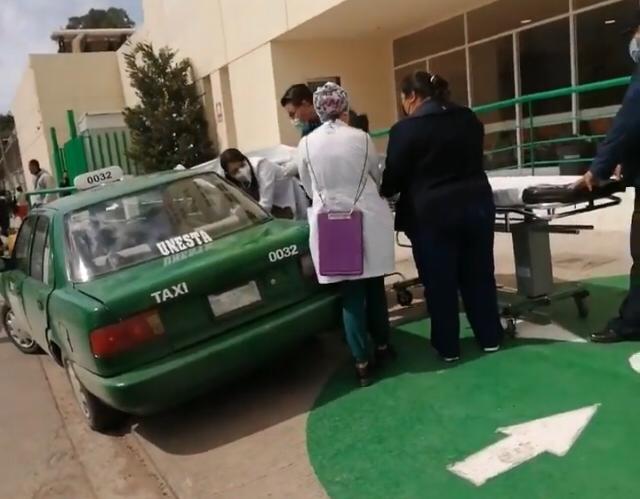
491 349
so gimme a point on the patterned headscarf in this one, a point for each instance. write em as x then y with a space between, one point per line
330 101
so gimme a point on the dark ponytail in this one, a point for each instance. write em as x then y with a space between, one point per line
360 121
426 86
235 156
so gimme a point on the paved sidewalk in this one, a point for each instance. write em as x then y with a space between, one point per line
37 458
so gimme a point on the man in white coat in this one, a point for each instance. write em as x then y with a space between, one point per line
339 170
42 181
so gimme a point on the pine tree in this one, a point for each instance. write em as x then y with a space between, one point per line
168 125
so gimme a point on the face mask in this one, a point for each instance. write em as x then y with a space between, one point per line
634 50
243 174
297 123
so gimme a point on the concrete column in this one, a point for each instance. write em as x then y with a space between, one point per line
223 114
254 100
77 43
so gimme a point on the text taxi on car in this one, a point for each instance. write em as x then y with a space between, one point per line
150 290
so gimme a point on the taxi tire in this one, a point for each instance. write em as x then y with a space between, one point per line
33 349
98 415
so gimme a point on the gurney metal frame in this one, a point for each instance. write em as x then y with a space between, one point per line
530 227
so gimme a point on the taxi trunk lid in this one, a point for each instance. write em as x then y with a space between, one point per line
207 291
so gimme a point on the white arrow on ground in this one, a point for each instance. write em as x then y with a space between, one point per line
554 434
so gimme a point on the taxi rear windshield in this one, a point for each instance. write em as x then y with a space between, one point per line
162 221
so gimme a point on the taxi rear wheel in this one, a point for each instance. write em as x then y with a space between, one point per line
99 416
22 340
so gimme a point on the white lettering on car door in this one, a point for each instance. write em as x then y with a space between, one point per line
172 293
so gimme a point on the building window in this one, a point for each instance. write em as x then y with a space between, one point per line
400 75
492 76
432 40
500 149
545 64
603 50
507 15
453 68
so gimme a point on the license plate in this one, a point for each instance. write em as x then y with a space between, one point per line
235 299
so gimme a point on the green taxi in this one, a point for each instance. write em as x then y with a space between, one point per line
150 290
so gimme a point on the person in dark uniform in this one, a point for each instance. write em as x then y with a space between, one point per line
446 208
65 183
297 101
622 147
359 121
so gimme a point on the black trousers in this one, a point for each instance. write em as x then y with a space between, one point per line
455 254
628 321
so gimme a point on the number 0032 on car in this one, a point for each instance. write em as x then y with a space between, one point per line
235 299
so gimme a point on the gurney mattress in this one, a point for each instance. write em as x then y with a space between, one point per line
531 191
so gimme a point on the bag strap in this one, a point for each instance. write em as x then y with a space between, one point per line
362 184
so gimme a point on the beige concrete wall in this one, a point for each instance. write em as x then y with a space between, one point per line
364 67
299 11
194 29
223 106
32 135
251 23
129 94
85 83
253 96
54 83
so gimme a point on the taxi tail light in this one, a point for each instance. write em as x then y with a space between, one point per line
126 335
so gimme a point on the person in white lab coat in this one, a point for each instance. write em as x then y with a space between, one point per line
331 161
267 183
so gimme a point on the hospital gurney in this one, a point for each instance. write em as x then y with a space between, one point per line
526 208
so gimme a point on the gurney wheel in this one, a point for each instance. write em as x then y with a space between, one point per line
404 297
582 306
511 328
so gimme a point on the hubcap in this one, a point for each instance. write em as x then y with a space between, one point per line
81 398
20 337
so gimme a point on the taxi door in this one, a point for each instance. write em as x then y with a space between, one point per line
15 278
38 285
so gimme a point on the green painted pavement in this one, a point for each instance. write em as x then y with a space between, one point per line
396 439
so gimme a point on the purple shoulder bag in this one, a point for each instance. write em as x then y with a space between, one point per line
340 233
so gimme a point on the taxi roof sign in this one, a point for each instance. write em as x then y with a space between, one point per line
98 177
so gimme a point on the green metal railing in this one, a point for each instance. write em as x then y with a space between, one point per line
526 124
62 190
90 151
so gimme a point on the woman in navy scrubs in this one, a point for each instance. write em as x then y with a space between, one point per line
435 163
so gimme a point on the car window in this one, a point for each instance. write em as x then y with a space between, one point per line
38 249
162 221
23 245
47 274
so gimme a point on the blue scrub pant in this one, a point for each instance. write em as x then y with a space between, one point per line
455 253
364 312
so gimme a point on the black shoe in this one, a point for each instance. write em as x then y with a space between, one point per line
610 335
363 372
385 356
450 360
492 349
